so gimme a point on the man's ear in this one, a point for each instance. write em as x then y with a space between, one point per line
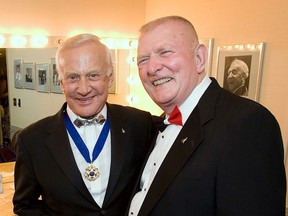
61 85
111 79
201 55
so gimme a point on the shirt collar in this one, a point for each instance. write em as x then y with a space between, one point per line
190 103
73 116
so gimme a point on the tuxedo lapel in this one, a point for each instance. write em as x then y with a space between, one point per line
59 146
185 144
182 150
120 134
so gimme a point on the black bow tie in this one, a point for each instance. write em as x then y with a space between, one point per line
98 119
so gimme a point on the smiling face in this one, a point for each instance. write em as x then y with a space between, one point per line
85 78
169 64
236 75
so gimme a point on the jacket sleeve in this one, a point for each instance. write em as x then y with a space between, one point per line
26 199
251 177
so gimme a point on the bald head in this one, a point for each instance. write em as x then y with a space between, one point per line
189 28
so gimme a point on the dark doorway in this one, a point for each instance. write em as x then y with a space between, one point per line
4 101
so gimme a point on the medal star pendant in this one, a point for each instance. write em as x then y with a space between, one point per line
91 173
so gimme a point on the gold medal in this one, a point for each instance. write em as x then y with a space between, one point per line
91 173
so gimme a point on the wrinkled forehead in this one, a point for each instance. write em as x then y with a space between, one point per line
172 26
83 53
235 66
168 32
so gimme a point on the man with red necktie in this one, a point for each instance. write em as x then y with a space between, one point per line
220 154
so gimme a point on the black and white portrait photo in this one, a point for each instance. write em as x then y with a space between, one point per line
237 74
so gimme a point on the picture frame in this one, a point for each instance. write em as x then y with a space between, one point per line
18 73
29 75
240 55
42 77
54 78
113 88
209 43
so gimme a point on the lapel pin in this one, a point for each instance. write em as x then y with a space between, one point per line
184 140
123 131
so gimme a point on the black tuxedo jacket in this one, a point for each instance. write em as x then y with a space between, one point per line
46 166
226 161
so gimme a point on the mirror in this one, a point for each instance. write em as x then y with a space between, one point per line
27 105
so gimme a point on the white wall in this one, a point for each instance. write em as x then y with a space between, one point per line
34 105
108 18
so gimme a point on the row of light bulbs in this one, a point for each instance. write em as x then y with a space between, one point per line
22 41
244 46
39 41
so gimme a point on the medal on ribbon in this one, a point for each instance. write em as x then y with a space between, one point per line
91 172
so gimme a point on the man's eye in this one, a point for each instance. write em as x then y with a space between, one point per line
71 77
165 52
93 76
141 61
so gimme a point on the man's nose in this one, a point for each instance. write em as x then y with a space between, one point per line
154 65
83 86
229 75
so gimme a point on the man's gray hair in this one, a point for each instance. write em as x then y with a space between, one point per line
80 40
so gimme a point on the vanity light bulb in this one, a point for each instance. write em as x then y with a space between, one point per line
129 99
130 80
109 42
133 44
39 41
18 41
131 59
2 40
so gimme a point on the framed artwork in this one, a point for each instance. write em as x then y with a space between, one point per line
209 44
29 75
239 69
18 76
54 78
42 77
113 88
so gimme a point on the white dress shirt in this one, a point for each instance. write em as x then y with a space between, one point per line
90 134
163 144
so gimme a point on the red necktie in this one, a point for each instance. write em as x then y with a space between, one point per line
176 117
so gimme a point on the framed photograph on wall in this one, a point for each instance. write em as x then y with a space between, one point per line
209 44
113 88
54 78
18 76
239 69
42 77
29 75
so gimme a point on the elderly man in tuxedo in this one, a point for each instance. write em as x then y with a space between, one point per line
220 154
82 160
